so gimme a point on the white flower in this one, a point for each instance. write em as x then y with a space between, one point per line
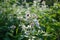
27 14
33 37
39 31
29 26
43 2
24 27
34 3
29 39
36 22
55 4
26 36
27 33
20 17
12 27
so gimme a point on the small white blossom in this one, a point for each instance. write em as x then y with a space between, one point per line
34 3
43 2
29 39
23 27
27 14
33 37
20 17
39 31
27 33
29 26
36 22
12 27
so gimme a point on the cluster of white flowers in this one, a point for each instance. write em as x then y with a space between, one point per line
30 19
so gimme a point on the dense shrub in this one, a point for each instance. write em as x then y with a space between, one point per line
29 23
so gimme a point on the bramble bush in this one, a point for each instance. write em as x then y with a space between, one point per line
29 23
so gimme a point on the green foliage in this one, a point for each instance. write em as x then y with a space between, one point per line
30 23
